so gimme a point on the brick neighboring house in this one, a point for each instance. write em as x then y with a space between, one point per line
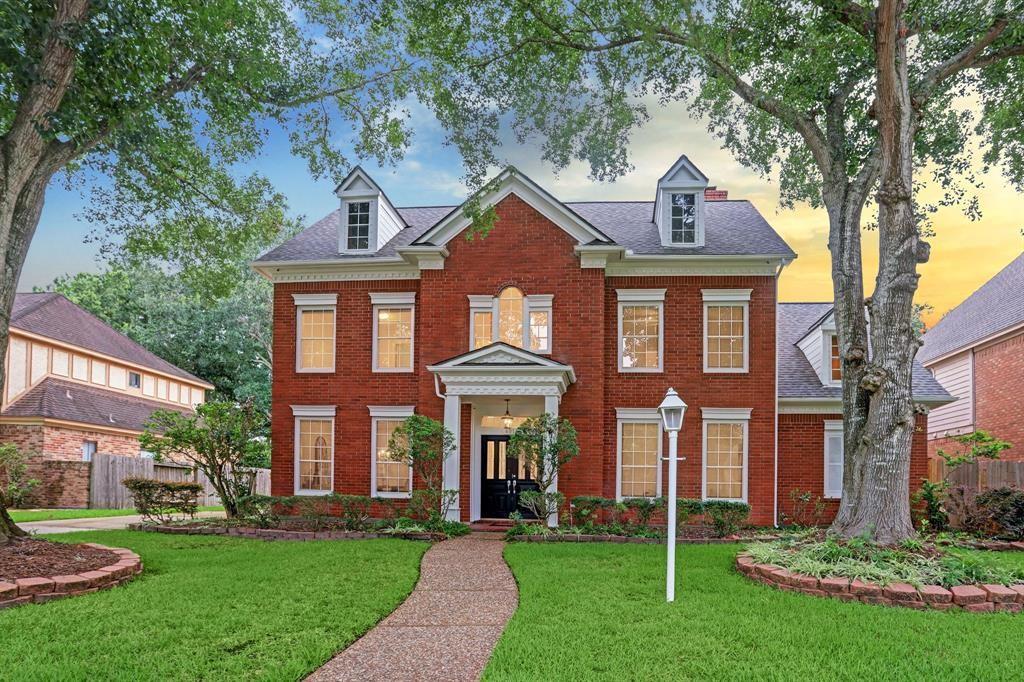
76 387
587 310
976 351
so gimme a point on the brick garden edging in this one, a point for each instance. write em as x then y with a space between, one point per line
279 534
43 589
976 598
571 537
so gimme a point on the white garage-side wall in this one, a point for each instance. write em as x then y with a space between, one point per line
956 374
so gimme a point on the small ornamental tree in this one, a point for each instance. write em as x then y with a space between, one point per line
13 487
546 444
219 439
425 444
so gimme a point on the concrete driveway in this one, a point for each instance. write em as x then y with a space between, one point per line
102 523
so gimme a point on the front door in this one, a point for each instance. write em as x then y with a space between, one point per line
504 479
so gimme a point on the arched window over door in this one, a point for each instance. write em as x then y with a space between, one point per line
510 316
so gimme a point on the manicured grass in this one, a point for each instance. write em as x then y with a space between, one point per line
26 515
212 608
597 611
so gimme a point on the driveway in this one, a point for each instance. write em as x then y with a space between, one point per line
102 523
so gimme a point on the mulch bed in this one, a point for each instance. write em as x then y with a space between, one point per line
29 557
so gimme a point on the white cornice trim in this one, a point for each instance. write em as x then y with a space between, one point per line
386 411
638 414
363 269
725 295
695 265
392 297
313 410
640 295
315 299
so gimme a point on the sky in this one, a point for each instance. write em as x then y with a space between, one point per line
965 254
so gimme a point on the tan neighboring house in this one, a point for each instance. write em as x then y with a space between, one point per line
76 387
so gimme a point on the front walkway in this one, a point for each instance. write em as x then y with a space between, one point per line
94 523
448 626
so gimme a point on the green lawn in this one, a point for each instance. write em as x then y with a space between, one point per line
596 611
25 515
212 608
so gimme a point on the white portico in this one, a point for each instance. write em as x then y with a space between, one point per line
485 378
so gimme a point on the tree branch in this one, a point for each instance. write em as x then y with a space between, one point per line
851 14
963 59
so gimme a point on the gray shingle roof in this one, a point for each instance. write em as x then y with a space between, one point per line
732 228
996 306
57 399
55 317
797 378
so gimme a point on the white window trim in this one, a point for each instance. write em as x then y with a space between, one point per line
483 303
636 415
371 232
300 412
637 297
308 302
826 358
667 190
387 412
728 297
832 428
724 415
394 301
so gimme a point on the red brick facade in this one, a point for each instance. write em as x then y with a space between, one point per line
998 409
528 251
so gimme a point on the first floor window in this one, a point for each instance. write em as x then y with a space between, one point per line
88 450
725 453
391 476
639 458
640 330
833 485
315 455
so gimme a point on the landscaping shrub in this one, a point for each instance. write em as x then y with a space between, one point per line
686 507
808 509
644 508
586 510
259 510
726 516
159 500
314 509
355 510
1004 508
931 501
961 505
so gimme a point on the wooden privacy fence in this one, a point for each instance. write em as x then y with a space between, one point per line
981 475
107 472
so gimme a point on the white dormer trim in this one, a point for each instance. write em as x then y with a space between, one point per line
384 221
512 181
682 178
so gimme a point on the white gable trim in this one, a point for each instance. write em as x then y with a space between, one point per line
512 181
498 354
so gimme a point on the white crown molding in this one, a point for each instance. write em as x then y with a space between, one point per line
725 295
315 299
392 297
313 410
641 295
638 414
724 413
386 411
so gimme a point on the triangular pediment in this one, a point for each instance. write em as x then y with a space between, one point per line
513 181
499 354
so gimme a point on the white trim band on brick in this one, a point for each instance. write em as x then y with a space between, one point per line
726 295
640 295
391 411
314 410
315 299
637 413
392 297
725 413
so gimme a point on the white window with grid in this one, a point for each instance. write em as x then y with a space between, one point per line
389 476
314 449
393 331
512 318
833 474
639 453
725 453
641 330
315 332
726 330
357 225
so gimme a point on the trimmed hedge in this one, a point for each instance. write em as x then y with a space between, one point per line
725 516
159 500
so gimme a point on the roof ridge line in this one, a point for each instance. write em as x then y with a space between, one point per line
50 296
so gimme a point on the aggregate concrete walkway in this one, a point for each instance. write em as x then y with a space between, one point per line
449 625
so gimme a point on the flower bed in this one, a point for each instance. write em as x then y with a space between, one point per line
281 534
646 535
123 566
983 598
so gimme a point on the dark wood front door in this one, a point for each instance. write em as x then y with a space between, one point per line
504 479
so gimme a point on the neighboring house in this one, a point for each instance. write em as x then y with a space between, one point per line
976 351
76 387
587 310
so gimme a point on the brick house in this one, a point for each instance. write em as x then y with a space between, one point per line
76 387
587 310
976 351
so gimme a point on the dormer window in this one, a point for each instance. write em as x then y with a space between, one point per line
835 364
358 235
684 218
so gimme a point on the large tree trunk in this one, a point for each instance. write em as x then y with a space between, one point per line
879 410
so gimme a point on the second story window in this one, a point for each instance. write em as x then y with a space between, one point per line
641 329
726 332
393 330
315 327
512 318
134 380
358 225
835 364
684 218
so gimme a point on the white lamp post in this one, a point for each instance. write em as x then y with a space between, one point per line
672 409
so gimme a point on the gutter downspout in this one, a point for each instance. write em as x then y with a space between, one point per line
437 387
775 475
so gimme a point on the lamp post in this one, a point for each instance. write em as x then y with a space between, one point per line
672 409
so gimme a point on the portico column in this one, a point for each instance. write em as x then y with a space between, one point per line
452 413
551 407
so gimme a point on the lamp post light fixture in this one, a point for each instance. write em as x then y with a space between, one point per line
672 409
